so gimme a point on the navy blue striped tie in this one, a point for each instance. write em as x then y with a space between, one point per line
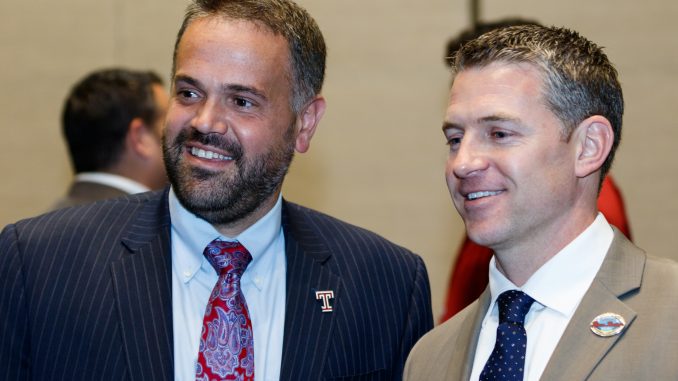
508 356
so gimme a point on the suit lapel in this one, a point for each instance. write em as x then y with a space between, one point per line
464 351
143 291
579 349
308 330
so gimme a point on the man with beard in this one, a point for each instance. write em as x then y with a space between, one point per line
129 289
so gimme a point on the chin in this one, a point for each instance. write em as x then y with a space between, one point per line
482 235
479 240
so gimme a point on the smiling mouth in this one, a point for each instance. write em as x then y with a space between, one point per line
210 155
476 195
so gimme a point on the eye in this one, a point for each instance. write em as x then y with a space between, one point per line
453 141
500 134
243 102
186 94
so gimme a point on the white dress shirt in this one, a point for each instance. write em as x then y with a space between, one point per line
262 283
125 184
557 288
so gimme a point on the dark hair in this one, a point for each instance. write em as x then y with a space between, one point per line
466 35
98 111
579 80
304 38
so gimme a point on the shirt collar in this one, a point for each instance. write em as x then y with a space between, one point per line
125 184
561 283
196 233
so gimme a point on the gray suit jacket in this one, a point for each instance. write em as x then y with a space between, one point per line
641 288
86 294
83 192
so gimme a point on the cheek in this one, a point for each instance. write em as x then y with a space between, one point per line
558 167
452 183
169 133
544 177
260 136
160 128
176 118
250 139
449 174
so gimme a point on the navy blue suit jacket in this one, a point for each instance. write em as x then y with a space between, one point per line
85 294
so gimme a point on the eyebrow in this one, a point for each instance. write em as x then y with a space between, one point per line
498 118
483 120
244 89
449 126
184 78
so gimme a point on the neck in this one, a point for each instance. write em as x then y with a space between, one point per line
519 261
234 228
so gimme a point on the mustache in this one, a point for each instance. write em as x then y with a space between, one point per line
233 148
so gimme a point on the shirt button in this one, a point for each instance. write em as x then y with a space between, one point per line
187 274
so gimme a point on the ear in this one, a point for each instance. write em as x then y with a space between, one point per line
140 140
309 118
594 141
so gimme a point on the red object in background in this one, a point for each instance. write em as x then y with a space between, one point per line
469 276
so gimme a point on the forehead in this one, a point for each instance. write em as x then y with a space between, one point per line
219 41
496 88
498 74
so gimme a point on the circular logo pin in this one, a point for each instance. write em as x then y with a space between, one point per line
608 324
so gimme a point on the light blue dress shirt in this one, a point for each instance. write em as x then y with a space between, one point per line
263 285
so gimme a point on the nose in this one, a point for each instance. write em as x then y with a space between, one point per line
468 159
210 117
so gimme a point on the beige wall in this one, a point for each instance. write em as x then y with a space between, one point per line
378 158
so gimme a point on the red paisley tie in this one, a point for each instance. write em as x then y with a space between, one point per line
226 343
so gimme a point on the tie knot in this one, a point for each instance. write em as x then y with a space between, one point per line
513 306
227 257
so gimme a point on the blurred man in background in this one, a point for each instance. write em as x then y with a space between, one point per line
112 123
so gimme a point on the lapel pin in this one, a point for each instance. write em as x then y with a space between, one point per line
324 297
608 324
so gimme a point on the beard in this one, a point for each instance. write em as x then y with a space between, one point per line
226 197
